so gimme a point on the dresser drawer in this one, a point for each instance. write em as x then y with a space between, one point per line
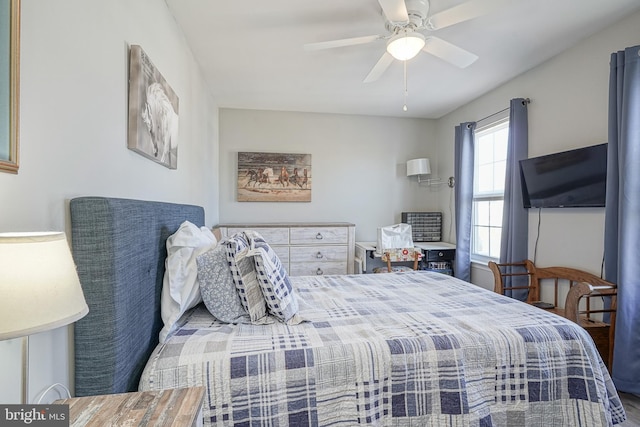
317 268
440 255
318 235
282 252
271 235
317 254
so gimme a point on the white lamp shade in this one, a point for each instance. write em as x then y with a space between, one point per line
405 46
39 285
418 167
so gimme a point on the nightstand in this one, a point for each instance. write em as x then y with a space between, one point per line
172 407
438 256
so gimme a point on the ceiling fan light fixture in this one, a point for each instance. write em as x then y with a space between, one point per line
406 45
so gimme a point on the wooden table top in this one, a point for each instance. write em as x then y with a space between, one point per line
172 407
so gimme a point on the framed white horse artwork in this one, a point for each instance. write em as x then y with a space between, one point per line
153 111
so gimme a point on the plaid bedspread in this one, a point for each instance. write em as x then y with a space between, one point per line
402 349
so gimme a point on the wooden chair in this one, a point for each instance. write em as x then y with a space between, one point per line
402 255
603 334
577 306
516 271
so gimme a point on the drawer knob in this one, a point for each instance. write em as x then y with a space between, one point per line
319 255
319 236
319 272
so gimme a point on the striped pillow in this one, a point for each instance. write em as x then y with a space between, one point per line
274 281
244 276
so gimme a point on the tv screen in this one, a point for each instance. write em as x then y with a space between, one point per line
574 178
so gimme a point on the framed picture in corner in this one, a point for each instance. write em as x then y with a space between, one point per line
9 84
153 111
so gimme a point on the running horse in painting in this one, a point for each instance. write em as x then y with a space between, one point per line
284 176
296 179
260 176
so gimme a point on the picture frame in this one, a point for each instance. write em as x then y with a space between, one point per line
153 111
9 85
274 177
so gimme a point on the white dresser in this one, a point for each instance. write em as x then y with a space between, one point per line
306 249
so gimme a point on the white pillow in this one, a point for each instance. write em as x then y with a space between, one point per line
180 288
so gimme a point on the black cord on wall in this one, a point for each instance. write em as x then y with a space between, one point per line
535 248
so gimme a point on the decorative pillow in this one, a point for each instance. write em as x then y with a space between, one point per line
217 286
180 289
274 281
243 273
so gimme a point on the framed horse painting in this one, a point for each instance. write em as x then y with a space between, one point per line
153 111
274 177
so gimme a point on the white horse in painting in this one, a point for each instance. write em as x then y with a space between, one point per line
161 121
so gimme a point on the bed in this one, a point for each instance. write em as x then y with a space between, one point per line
398 349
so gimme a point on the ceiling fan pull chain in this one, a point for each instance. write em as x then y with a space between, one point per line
404 108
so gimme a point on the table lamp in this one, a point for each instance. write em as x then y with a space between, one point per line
39 289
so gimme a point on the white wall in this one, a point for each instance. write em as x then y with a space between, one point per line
358 166
73 125
569 95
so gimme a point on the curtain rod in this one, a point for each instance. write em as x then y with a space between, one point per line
527 100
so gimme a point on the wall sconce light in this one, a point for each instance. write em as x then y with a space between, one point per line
422 167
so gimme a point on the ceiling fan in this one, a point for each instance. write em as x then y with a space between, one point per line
405 20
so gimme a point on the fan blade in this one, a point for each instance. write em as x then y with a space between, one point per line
449 52
394 10
340 43
379 69
462 12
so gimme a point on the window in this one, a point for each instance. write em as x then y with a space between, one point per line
490 161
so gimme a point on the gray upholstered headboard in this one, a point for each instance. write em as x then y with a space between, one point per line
119 249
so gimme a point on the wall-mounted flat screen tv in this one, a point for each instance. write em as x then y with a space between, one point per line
574 178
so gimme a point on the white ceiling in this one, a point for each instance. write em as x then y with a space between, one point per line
251 52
